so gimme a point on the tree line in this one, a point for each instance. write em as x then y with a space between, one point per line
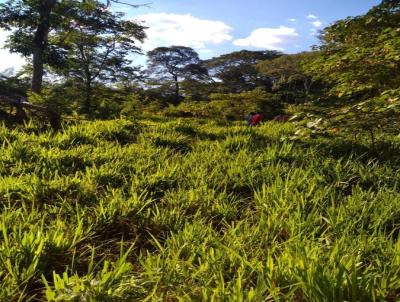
80 62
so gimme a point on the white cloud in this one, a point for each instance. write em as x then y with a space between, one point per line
269 38
292 20
317 23
311 16
313 32
8 60
174 29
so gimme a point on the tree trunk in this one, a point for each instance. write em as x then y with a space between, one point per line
307 86
40 43
37 76
372 135
20 115
87 104
39 47
176 89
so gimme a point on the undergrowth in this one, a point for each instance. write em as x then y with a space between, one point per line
196 211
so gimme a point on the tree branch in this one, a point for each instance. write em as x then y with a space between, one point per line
124 3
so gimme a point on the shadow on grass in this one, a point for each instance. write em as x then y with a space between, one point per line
177 146
384 152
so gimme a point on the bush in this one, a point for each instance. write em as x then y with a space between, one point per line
229 106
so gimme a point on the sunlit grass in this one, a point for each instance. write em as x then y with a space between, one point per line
189 210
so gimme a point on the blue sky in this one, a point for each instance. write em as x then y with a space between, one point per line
214 27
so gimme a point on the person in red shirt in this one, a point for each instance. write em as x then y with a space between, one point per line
256 119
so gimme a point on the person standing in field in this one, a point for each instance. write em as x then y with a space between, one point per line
256 119
249 118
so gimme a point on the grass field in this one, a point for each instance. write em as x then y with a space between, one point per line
189 210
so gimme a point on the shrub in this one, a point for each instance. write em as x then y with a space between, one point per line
229 106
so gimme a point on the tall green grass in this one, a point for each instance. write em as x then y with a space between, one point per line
190 210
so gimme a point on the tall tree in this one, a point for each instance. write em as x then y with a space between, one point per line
359 56
237 71
359 60
97 46
176 63
32 21
287 73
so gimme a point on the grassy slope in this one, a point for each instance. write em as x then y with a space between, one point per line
190 210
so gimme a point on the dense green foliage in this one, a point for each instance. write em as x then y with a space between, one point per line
192 210
237 71
178 201
359 64
174 64
289 77
350 81
228 106
82 44
360 56
97 46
